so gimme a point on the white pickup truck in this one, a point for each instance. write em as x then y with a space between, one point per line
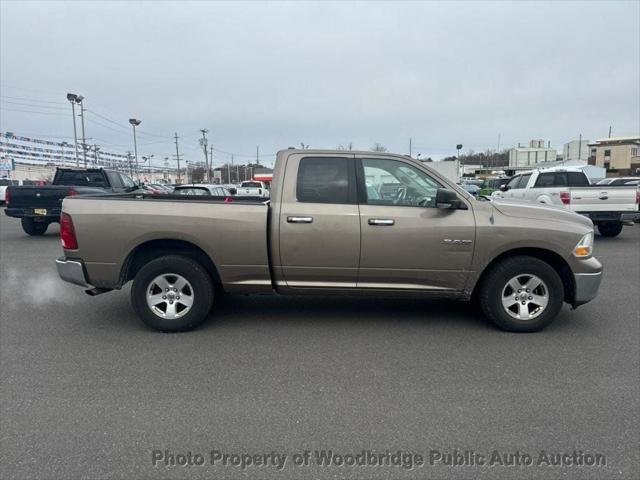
609 207
253 188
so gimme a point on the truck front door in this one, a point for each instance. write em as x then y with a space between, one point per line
407 243
319 222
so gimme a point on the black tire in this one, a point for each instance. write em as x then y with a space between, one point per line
193 272
494 282
32 227
610 229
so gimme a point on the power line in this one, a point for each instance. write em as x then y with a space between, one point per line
31 111
35 100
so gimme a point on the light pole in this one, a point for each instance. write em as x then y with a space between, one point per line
62 160
79 100
459 147
72 97
134 123
145 159
96 149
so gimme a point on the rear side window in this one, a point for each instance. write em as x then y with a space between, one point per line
577 179
326 180
513 182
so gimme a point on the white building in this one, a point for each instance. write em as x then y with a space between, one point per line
576 150
533 155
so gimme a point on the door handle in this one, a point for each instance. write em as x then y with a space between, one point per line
299 219
381 221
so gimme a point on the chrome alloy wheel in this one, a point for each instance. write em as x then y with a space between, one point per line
525 297
170 296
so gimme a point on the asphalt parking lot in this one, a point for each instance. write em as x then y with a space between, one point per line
88 391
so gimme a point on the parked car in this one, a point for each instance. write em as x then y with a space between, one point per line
204 189
253 188
39 205
471 188
4 183
328 230
609 207
620 181
161 187
490 185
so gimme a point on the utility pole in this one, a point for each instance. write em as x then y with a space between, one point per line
80 100
177 157
258 154
410 149
229 169
609 131
210 161
204 143
237 170
580 147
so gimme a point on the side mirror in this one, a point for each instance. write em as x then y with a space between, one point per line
503 187
447 199
233 191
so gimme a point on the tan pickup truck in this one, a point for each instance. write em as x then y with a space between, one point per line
337 222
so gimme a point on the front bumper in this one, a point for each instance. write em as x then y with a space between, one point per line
587 285
72 271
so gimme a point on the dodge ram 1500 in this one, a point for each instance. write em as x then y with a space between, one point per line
337 222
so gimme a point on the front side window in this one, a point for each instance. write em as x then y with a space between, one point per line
524 180
513 182
392 182
326 180
577 179
126 181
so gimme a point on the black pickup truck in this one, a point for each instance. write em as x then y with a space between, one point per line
38 206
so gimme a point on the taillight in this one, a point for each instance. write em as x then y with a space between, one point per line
565 197
67 233
72 193
637 197
6 196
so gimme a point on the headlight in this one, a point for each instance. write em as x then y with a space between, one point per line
584 248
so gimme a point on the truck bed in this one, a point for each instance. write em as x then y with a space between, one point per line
233 235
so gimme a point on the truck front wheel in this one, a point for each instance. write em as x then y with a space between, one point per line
521 294
32 227
610 229
172 293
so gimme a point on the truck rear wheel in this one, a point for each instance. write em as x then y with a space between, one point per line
610 229
521 294
172 294
32 227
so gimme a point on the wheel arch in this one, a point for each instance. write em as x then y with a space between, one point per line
550 257
155 248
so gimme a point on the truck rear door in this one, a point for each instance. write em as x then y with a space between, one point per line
319 222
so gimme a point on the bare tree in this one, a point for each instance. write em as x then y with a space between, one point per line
303 146
378 147
348 146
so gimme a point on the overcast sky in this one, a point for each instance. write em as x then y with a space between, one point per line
277 74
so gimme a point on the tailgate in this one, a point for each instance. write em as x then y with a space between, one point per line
603 198
33 196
